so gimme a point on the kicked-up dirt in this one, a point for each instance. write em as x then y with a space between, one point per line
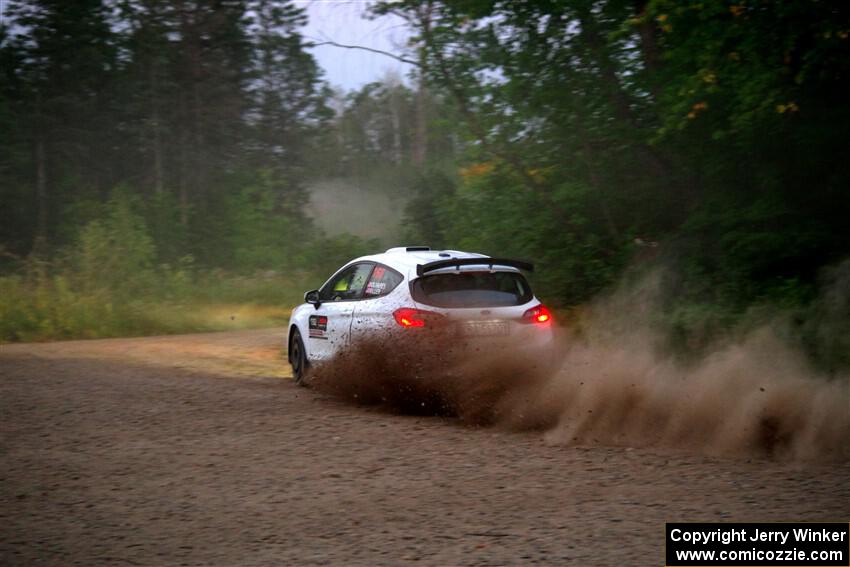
198 450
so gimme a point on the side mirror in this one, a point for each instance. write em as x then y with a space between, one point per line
312 297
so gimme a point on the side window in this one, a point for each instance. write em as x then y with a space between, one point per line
383 281
348 284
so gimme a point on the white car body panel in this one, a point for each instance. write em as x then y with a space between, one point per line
373 316
337 333
351 320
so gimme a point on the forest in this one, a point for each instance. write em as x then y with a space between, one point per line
157 159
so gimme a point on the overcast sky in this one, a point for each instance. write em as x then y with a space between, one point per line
344 21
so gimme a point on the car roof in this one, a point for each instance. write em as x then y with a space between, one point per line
406 258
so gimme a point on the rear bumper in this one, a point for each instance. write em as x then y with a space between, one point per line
534 349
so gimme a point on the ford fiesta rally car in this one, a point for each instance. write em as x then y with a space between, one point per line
477 298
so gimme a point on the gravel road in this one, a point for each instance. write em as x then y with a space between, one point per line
197 450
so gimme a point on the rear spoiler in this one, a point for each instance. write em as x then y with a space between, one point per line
458 262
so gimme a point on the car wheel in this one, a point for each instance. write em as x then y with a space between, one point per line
297 358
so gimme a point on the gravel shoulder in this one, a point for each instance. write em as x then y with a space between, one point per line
198 450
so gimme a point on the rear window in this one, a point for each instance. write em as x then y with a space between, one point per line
471 289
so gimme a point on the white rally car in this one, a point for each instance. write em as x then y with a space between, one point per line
406 289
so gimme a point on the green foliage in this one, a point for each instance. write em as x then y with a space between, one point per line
52 307
116 253
108 282
262 233
747 65
325 255
167 101
492 212
425 216
709 133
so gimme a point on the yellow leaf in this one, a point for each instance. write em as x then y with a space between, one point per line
788 107
476 170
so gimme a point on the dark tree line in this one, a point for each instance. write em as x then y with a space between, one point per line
182 103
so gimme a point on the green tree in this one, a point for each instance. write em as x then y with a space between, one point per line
115 253
59 56
714 128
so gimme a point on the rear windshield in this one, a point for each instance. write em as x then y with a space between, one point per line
471 289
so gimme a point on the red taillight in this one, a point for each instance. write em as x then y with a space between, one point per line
409 317
537 314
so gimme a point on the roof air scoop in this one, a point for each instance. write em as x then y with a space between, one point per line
409 249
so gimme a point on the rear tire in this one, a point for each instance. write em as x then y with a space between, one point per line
297 358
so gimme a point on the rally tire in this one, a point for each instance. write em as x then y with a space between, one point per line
297 358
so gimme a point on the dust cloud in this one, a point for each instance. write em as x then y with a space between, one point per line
752 397
340 206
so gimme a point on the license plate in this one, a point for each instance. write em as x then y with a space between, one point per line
484 328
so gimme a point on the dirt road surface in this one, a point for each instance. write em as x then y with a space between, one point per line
197 450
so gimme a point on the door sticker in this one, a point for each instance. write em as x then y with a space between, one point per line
375 288
375 285
318 327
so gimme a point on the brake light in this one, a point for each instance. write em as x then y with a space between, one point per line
537 314
409 317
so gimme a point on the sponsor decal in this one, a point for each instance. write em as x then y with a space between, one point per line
375 288
318 327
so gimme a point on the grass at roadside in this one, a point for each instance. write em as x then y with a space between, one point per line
168 318
48 308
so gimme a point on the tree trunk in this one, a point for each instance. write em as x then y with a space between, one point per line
157 133
658 163
183 156
420 141
40 195
41 201
648 42
183 185
396 118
